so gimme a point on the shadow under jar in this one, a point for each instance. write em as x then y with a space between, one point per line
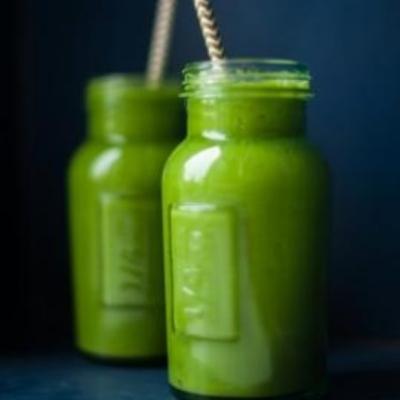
115 218
246 215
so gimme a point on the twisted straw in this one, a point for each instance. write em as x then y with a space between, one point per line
209 29
160 41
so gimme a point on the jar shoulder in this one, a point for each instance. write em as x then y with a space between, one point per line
241 160
97 161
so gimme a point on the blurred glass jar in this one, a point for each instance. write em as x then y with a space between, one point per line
115 217
246 210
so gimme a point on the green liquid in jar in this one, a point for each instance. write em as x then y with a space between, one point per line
115 218
245 204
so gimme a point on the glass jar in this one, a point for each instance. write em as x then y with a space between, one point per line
245 207
115 217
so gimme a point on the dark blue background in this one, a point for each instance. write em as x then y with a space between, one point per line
353 50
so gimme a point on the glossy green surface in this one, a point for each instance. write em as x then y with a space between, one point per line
245 204
115 218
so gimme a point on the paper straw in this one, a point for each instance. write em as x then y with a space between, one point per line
160 42
209 29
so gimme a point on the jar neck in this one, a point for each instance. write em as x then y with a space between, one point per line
141 121
241 117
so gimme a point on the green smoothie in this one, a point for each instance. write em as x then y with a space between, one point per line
115 217
245 207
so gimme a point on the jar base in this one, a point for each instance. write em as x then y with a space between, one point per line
142 362
316 394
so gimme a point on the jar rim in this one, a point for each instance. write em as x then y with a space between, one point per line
116 87
247 76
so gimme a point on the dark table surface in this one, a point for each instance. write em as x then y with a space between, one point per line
356 372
